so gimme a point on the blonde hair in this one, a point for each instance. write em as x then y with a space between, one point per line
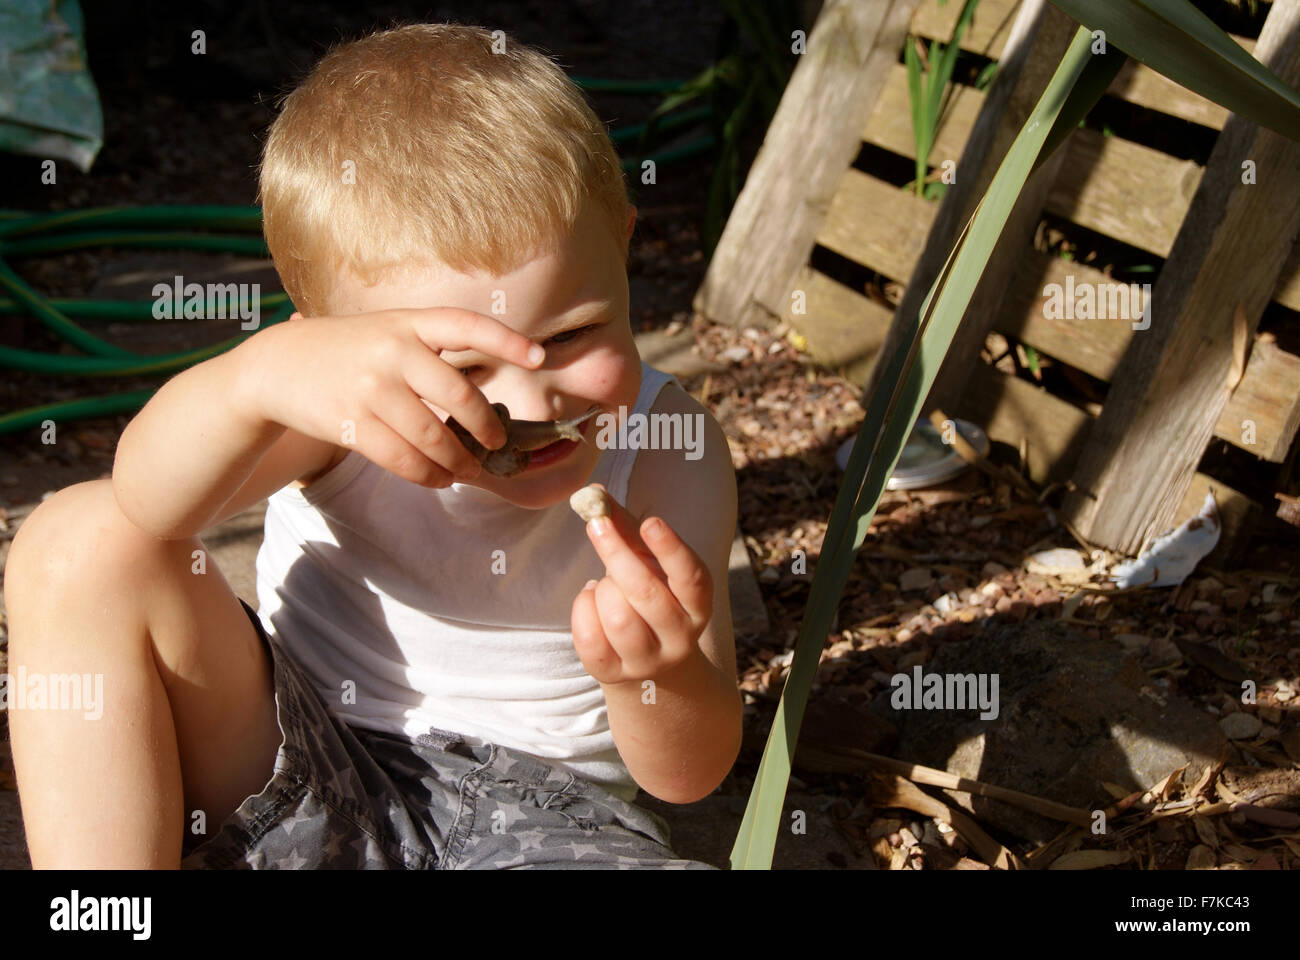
481 160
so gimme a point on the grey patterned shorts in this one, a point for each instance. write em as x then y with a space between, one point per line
347 798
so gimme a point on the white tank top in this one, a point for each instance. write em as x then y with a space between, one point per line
369 578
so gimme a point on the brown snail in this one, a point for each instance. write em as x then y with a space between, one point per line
522 438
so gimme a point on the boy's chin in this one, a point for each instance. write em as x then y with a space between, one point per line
540 492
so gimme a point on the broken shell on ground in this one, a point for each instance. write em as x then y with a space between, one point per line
590 502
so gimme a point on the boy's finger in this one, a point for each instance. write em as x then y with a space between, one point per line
593 649
632 639
628 529
450 329
643 584
688 575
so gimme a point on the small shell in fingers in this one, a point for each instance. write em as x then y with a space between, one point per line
590 502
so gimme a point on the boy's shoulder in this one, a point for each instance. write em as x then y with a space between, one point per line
698 480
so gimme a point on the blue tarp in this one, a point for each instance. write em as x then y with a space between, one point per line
49 106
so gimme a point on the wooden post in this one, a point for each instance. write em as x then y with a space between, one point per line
1039 38
813 138
1168 391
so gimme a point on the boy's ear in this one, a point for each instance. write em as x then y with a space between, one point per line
631 220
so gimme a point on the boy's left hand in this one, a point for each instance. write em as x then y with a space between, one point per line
646 617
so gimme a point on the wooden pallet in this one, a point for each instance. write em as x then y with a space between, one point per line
803 192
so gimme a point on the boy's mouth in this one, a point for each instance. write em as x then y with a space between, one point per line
559 450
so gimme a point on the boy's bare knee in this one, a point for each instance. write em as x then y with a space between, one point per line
78 543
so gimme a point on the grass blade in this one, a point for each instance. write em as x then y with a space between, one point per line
913 63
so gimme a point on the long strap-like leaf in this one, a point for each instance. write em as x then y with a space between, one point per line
1175 38
891 413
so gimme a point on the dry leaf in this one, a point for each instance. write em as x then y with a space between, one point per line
1205 830
1115 790
883 851
1089 860
1244 854
1207 778
1291 743
1201 858
1166 786
1226 794
1071 604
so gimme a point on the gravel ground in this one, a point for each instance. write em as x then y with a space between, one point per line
937 565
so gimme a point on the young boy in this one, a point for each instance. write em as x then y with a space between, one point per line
431 679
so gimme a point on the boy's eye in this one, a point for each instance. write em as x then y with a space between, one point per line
571 334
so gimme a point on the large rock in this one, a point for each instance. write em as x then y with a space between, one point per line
1071 712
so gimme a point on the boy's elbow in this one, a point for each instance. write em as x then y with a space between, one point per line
696 790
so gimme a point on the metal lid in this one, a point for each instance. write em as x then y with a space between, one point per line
926 460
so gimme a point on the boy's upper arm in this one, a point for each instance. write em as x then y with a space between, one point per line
697 498
294 456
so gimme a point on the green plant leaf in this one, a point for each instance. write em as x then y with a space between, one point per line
909 372
948 61
913 63
1098 74
1181 42
1034 366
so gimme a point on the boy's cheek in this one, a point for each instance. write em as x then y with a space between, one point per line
617 377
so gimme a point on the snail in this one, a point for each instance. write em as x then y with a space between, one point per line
522 437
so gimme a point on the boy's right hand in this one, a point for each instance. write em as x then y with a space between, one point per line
374 369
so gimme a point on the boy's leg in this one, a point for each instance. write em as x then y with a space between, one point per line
187 718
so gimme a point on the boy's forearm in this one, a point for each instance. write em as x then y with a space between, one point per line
680 746
192 446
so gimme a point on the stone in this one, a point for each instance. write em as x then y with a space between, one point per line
916 578
1240 726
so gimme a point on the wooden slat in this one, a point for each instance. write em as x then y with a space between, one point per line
1094 346
1108 184
1288 282
989 28
1269 394
1040 35
1168 394
1135 83
1124 190
988 31
813 137
1008 408
877 224
890 125
844 329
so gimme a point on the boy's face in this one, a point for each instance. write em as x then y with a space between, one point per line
574 301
